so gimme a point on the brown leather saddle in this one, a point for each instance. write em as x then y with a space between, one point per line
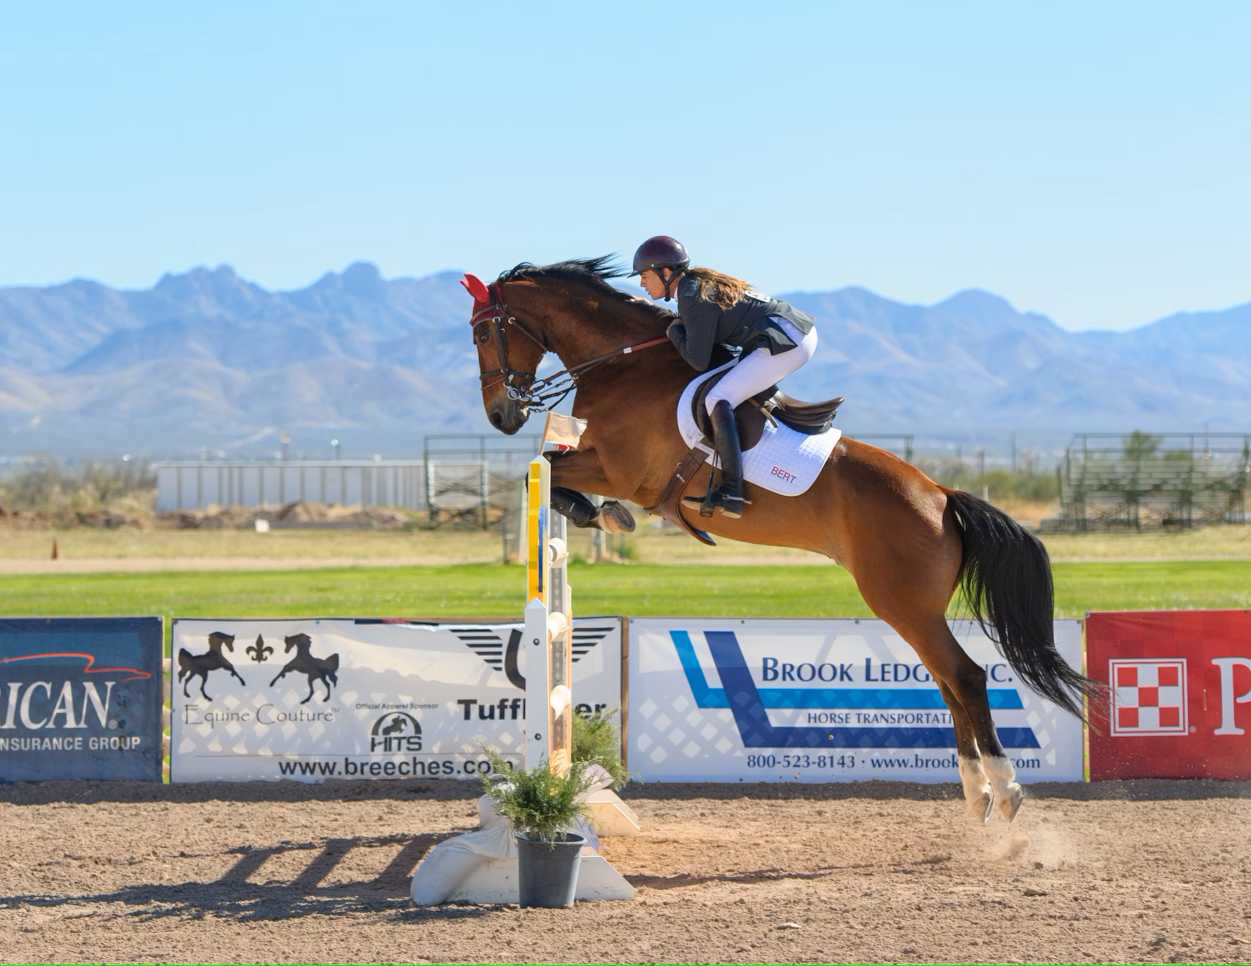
771 404
809 418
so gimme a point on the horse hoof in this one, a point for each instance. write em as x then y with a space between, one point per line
614 518
1010 802
982 806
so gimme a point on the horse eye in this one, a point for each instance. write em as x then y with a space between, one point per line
483 338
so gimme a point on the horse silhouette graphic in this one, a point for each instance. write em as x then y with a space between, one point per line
190 665
317 668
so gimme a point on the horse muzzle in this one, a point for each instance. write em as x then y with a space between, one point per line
508 415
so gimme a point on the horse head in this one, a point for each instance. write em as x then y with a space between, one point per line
508 355
217 639
567 308
301 641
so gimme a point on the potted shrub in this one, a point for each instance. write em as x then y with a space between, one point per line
542 808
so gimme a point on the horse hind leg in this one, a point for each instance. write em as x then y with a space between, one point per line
978 795
969 685
310 690
965 679
203 682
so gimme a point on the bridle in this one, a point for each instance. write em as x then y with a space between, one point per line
543 394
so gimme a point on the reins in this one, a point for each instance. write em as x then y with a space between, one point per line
543 394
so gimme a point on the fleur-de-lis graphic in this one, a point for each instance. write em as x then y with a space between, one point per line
260 650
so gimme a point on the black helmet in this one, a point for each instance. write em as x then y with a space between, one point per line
660 251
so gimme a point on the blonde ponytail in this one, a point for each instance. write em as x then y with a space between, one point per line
717 287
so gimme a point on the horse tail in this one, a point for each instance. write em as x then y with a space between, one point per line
184 659
1005 580
331 663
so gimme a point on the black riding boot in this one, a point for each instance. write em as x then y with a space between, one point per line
728 497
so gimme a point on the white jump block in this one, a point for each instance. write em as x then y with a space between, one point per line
481 867
610 815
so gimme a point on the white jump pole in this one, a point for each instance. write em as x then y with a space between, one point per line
548 629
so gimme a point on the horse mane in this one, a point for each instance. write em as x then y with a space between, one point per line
594 273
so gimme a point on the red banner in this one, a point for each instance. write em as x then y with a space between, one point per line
1180 694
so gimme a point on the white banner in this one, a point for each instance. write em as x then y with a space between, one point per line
309 700
823 700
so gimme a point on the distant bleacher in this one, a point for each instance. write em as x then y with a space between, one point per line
1140 481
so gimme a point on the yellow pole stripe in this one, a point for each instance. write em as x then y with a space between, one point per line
536 583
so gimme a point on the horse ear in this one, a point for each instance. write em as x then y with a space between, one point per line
476 287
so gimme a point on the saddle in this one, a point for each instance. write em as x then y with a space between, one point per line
809 418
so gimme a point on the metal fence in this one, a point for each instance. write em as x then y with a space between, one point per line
468 479
1140 480
194 484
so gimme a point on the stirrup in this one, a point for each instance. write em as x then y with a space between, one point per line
729 505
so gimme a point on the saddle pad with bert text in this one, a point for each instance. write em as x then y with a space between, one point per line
784 461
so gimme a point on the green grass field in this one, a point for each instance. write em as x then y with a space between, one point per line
483 590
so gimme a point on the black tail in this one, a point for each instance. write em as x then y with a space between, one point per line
1005 579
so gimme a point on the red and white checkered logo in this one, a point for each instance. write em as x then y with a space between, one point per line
1148 697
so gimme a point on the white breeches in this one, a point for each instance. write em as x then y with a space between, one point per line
760 369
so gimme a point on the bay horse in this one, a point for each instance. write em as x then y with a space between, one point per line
908 542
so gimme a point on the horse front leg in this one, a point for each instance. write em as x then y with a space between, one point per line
573 474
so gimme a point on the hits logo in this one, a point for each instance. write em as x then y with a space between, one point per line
395 732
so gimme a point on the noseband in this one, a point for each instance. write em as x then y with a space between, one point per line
543 394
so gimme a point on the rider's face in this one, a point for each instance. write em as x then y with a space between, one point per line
652 284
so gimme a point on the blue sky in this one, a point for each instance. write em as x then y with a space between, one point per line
1088 161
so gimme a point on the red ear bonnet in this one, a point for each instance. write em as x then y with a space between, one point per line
475 287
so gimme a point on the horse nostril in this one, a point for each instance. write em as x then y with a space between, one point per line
497 421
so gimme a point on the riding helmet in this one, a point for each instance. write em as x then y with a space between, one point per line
660 251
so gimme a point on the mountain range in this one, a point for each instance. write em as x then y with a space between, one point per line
207 360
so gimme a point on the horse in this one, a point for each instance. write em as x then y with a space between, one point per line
908 542
189 665
321 669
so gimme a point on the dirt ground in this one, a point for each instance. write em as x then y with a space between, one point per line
1119 871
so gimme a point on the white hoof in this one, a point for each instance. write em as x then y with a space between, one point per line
1010 802
983 806
978 795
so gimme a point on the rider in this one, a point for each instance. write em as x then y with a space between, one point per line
716 309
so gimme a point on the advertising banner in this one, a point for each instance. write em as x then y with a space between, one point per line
314 699
822 700
80 697
1180 687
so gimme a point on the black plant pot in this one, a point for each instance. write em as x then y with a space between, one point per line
547 873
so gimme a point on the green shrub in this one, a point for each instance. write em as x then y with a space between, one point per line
596 741
539 805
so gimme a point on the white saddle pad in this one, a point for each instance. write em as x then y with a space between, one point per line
784 461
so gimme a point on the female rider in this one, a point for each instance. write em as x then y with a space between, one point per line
715 309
